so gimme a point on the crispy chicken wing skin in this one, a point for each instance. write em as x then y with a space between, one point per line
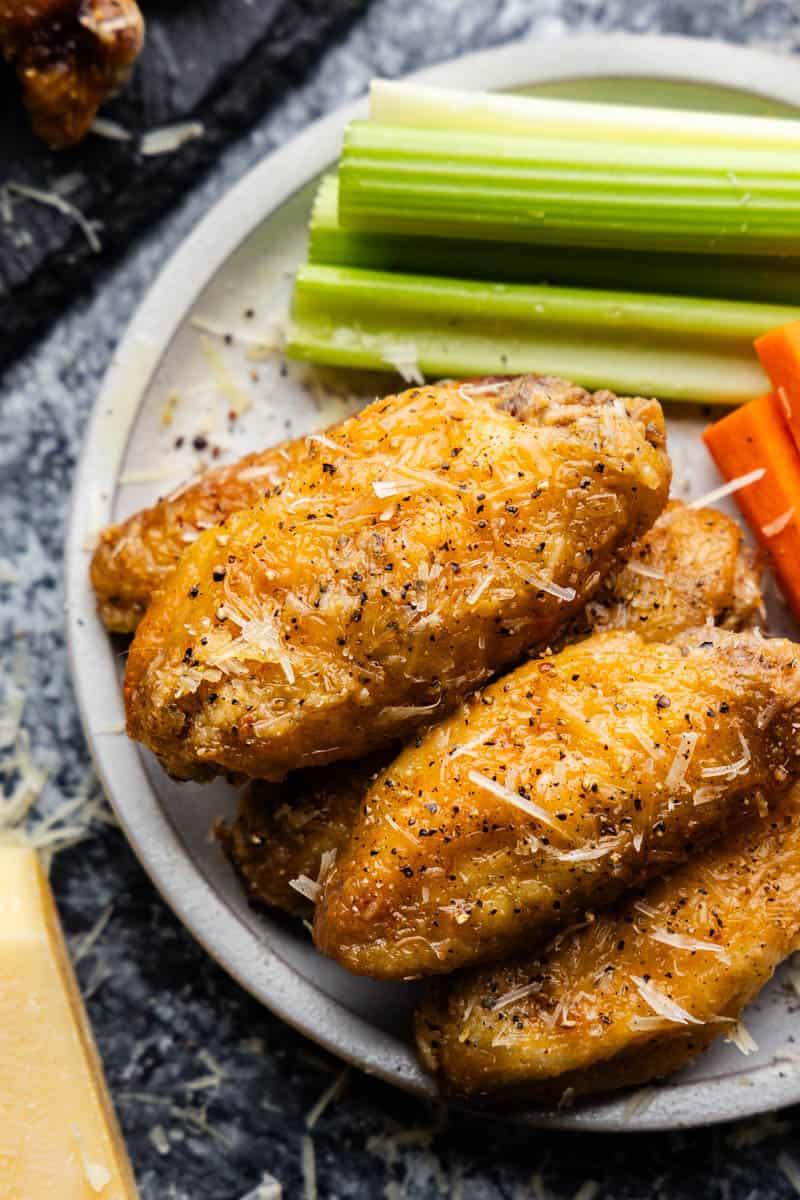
636 993
689 570
283 830
552 791
133 560
430 540
70 55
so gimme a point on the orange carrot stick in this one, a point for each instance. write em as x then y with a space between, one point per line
779 351
752 437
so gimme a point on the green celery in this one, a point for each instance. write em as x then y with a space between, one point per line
433 182
423 106
771 280
671 347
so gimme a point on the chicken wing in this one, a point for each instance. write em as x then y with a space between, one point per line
555 789
689 570
428 541
636 993
283 830
286 832
134 559
70 55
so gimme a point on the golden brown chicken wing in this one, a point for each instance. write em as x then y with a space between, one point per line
690 569
289 831
428 541
70 55
636 993
283 830
552 791
132 560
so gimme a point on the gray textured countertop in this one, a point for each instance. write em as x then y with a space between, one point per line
212 1091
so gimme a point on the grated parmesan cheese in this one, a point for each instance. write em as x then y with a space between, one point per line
681 941
268 1189
402 357
742 1039
663 1005
308 1163
728 489
480 587
773 528
159 1139
233 392
306 887
103 127
513 798
331 1093
170 138
676 774
52 200
511 997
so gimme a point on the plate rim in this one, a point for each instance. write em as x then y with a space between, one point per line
190 268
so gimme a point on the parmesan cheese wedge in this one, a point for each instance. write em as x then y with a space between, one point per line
58 1132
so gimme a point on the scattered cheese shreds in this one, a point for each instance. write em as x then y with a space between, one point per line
662 1004
682 942
306 887
728 489
170 138
504 793
268 1189
112 130
518 993
159 1139
309 1166
680 763
742 1039
327 1098
773 528
53 200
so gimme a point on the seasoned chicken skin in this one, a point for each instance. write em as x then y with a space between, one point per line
287 831
690 569
432 539
554 790
636 993
283 830
134 559
70 55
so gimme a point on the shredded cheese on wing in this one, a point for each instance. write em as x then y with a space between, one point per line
513 798
662 1004
742 1039
676 774
681 941
170 138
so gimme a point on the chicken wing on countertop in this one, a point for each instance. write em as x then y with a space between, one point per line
283 830
70 55
434 537
634 994
555 789
133 560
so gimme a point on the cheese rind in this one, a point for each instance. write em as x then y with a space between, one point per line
58 1132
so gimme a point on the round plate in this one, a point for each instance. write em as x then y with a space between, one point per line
174 362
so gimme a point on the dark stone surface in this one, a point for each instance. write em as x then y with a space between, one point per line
222 63
156 1000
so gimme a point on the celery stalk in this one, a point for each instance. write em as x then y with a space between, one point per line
424 106
748 277
432 182
671 347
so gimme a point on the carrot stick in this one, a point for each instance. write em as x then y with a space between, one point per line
755 437
779 351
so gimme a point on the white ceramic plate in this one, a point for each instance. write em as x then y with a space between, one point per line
240 257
